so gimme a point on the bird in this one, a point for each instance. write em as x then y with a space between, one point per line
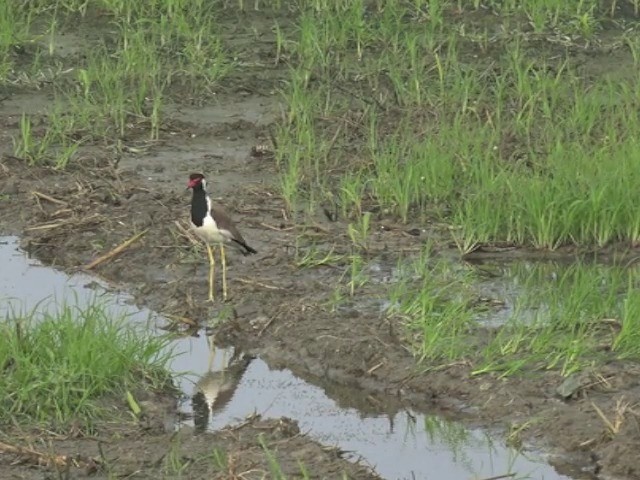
214 227
215 389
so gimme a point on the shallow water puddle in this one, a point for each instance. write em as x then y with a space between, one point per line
407 446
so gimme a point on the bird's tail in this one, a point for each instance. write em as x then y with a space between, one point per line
246 249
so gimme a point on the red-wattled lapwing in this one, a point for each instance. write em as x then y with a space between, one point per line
215 389
214 226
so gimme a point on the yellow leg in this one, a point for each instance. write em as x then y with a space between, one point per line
212 350
223 259
212 266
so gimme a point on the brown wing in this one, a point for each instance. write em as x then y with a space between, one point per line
225 223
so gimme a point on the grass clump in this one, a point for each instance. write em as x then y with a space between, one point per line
144 54
60 367
568 318
564 318
14 31
434 299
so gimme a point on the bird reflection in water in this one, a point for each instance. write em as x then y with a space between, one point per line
215 389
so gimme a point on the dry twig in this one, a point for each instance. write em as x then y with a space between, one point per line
71 221
500 477
259 284
181 319
112 253
277 229
48 198
46 459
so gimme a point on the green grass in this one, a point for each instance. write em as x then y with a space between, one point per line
568 318
62 367
146 53
426 109
434 299
564 318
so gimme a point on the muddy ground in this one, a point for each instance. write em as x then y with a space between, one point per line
279 311
146 451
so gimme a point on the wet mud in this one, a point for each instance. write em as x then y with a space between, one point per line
147 452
